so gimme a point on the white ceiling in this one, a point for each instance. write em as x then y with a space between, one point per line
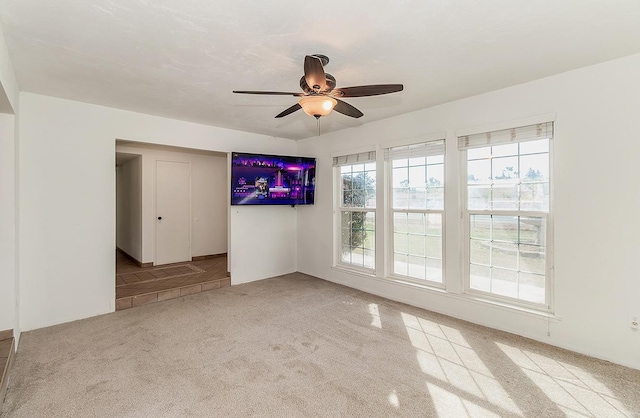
182 59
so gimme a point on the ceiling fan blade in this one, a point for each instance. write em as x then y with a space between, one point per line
314 73
346 109
289 110
371 90
277 93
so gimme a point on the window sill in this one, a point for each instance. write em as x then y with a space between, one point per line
547 316
426 285
435 289
359 272
537 313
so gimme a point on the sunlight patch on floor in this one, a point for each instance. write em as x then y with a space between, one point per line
576 392
393 400
448 404
375 315
455 369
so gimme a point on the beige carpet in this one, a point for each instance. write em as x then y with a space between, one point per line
299 346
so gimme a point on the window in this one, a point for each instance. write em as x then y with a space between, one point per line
417 210
507 213
356 210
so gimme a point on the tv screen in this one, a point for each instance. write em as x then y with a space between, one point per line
261 179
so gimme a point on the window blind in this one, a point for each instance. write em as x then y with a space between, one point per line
423 149
521 134
359 158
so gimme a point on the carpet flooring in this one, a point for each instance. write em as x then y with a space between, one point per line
298 346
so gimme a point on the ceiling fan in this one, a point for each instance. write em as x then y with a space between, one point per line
320 95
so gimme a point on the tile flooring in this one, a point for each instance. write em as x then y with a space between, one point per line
137 286
6 357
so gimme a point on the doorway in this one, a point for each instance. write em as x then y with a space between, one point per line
185 251
129 205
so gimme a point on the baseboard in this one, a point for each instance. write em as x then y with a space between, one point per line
132 258
207 257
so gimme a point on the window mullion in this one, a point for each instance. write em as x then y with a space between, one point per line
524 214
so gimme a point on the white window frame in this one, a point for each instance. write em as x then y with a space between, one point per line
547 306
415 149
340 160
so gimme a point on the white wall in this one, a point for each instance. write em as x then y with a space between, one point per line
7 223
7 76
129 207
209 197
67 199
9 269
596 201
209 205
262 248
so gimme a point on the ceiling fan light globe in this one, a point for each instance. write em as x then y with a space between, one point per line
317 106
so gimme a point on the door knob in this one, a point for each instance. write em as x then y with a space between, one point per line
159 218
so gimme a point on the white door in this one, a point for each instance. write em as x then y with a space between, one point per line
173 212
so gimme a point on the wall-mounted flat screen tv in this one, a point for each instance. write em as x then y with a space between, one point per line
262 179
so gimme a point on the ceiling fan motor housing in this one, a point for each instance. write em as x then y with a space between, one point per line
331 84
